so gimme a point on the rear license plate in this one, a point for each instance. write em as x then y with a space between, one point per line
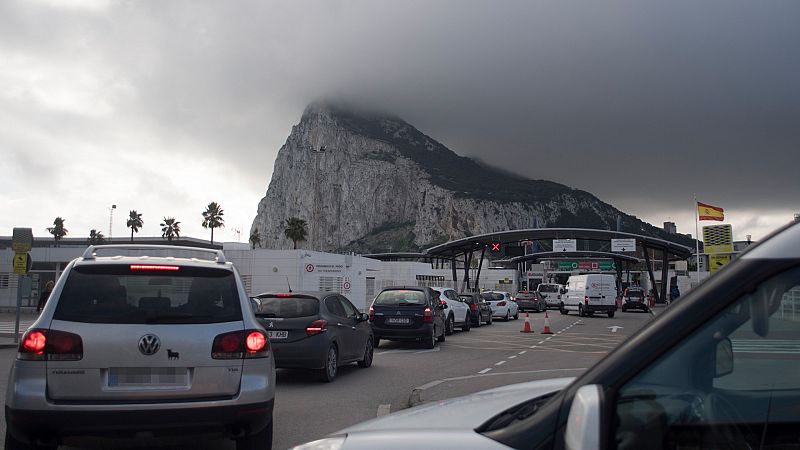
147 376
278 334
398 320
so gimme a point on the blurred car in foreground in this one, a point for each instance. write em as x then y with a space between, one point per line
315 330
716 370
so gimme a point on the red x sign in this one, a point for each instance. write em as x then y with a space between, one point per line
495 247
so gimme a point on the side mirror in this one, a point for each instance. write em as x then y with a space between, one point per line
363 317
583 423
724 358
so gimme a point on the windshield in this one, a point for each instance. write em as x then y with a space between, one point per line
548 288
287 307
116 294
492 297
400 298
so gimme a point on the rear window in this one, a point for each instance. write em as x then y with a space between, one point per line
466 298
635 293
547 288
288 307
400 298
492 297
120 295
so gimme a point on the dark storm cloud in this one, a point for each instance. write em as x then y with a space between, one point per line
641 103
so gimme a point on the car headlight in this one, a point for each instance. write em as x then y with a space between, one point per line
331 443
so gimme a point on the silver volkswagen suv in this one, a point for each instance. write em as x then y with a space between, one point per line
158 346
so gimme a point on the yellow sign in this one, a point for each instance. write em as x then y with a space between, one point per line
717 262
20 263
718 239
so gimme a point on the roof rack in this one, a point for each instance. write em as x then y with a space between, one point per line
91 251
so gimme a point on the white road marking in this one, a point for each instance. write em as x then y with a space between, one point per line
614 328
500 363
522 352
541 342
384 410
532 346
431 384
512 356
485 370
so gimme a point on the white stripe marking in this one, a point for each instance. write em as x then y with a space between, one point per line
485 370
500 363
522 352
512 356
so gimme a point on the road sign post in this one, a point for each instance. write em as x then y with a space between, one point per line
21 243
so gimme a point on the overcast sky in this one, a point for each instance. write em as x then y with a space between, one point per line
165 106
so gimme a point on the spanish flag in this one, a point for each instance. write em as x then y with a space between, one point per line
708 212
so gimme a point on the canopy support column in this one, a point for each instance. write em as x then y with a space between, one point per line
478 275
664 275
650 271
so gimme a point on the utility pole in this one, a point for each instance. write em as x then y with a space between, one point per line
111 222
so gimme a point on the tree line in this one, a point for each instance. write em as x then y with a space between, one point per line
296 229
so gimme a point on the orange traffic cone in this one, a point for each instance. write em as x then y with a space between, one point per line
526 327
546 329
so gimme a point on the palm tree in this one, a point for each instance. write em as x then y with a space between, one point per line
170 228
134 222
212 218
296 230
96 238
255 239
57 230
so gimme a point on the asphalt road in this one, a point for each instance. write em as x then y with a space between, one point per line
404 375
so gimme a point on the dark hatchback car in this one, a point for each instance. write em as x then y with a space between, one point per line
530 301
479 309
315 330
408 314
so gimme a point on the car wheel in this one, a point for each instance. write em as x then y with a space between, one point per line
610 314
508 316
450 326
580 311
259 441
489 322
480 321
369 352
563 310
516 315
624 309
331 365
467 323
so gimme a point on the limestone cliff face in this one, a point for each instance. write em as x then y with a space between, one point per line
372 183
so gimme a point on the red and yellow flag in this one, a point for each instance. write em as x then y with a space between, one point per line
708 212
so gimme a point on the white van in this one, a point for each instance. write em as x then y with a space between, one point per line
590 293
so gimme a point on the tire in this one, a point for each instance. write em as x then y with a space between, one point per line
489 322
449 327
610 314
442 337
369 352
467 323
563 310
580 311
624 309
508 315
516 315
259 441
479 323
331 365
376 342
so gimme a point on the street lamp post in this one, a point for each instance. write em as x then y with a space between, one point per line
111 222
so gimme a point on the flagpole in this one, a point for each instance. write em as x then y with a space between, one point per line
697 242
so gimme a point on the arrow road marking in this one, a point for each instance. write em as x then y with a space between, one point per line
614 328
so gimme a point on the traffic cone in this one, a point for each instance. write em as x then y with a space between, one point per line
546 329
526 327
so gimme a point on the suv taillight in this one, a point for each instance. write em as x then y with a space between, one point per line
473 306
52 345
503 303
371 314
427 315
240 345
317 327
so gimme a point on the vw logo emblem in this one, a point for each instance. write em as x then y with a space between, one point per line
149 344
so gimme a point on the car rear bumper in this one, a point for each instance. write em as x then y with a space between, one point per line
635 305
307 353
50 426
527 306
599 308
402 334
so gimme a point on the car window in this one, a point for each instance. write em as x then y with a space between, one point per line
349 309
288 307
451 295
400 297
735 381
334 306
466 298
547 288
119 294
492 296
